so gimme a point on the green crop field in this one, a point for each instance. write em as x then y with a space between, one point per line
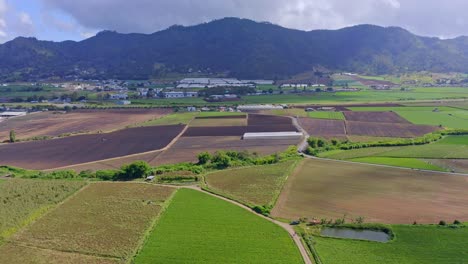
172 119
23 201
286 112
257 185
217 114
103 219
413 244
199 228
217 122
326 115
400 162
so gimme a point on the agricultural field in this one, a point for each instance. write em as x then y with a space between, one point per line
413 244
104 219
55 153
378 117
384 195
326 115
172 119
218 121
286 112
324 128
397 130
186 149
56 123
211 230
257 185
427 115
401 162
23 201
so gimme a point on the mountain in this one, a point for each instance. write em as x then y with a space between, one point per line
232 47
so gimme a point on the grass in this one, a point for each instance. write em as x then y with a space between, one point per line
23 201
327 115
216 114
287 112
413 244
330 189
172 119
451 147
104 219
199 228
400 162
257 185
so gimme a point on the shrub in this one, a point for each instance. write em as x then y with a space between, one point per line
137 169
204 158
442 223
456 222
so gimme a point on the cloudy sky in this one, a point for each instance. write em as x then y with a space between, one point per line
78 19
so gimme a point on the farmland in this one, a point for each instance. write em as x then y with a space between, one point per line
257 185
48 154
25 200
172 119
380 117
54 123
326 115
398 130
215 232
400 162
324 128
413 244
186 149
216 122
387 195
104 219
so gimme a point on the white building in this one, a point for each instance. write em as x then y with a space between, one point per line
273 135
259 107
12 114
119 96
180 94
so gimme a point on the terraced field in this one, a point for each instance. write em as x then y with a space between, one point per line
210 230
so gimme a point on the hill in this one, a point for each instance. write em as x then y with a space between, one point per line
232 47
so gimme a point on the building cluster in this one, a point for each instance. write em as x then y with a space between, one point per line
219 82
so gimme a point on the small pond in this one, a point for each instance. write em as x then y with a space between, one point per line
371 235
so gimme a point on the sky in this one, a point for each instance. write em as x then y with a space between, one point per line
60 20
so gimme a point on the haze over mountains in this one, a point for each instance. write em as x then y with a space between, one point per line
233 47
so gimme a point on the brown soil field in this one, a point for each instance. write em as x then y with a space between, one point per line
379 117
236 130
323 127
16 254
55 153
216 122
344 107
79 121
331 189
103 219
455 165
268 120
186 149
398 130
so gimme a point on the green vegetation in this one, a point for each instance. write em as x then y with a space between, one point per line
413 244
23 201
256 185
172 119
216 114
326 115
400 162
211 230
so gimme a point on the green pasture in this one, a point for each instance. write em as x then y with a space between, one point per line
412 245
199 228
326 115
400 162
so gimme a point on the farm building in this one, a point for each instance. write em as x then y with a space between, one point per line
12 114
180 94
258 107
273 135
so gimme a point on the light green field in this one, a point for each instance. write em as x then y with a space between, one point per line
326 115
413 245
199 228
257 185
216 114
400 162
23 201
172 119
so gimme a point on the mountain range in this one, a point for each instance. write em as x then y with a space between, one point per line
232 47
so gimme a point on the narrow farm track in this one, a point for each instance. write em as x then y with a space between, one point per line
296 238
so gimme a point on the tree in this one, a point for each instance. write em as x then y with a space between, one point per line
12 136
204 158
137 169
221 160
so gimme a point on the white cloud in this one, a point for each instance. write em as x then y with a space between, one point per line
25 19
14 23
